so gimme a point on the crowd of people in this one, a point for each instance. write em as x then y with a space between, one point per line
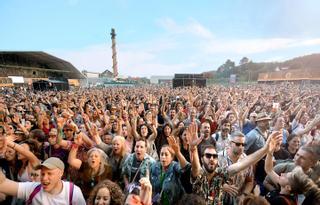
253 144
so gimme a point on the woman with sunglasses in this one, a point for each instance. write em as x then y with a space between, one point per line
165 174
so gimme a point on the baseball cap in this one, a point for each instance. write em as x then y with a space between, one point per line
263 116
52 163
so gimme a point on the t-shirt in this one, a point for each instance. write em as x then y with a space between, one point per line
60 153
42 197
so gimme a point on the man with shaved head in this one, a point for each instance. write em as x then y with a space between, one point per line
50 190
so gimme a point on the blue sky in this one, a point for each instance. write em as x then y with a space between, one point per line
161 37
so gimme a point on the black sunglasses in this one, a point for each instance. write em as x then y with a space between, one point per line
208 156
238 144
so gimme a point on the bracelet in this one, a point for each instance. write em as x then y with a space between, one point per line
192 149
75 146
78 132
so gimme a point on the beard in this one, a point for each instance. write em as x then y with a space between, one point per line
227 130
209 168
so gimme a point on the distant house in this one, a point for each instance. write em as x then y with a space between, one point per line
294 75
106 74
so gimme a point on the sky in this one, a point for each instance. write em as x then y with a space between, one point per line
161 37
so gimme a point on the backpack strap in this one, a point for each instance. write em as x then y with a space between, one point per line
33 193
217 136
71 187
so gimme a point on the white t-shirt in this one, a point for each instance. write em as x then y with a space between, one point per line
42 197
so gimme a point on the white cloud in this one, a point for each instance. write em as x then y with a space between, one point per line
92 58
253 46
73 2
181 48
192 27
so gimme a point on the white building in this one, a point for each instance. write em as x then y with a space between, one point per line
158 79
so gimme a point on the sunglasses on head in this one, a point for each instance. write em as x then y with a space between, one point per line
34 175
208 156
239 143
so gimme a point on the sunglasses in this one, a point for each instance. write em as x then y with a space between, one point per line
238 144
208 156
68 130
34 175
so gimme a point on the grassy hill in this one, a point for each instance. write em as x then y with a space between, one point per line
249 71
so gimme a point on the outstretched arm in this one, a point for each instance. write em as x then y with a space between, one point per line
309 126
274 139
268 167
8 187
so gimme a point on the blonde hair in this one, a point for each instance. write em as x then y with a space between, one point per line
123 144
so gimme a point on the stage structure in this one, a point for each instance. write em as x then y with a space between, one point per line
37 70
184 80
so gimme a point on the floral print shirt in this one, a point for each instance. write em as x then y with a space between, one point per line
211 191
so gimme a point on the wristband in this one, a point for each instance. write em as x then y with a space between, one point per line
2 177
245 194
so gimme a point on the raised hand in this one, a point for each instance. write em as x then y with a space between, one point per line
85 117
192 135
78 139
146 191
273 141
60 122
173 144
16 118
72 124
94 130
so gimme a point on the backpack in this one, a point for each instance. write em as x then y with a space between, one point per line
38 188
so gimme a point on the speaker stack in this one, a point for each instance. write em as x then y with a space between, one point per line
183 80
